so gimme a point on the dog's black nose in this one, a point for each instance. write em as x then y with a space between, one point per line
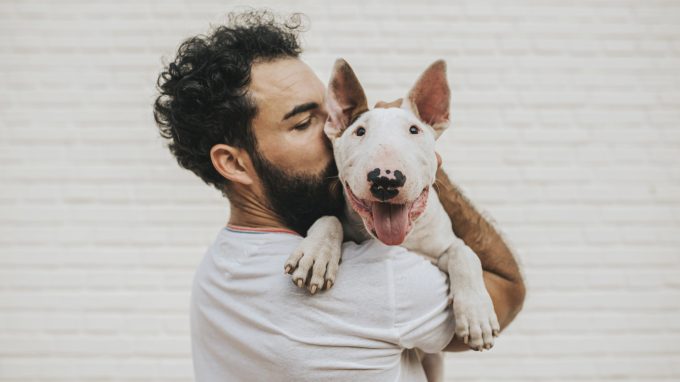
384 187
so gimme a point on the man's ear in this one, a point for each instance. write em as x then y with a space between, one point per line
430 98
345 99
232 163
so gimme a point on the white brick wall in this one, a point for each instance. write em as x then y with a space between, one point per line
566 129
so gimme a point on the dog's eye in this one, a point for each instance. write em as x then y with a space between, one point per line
360 131
413 129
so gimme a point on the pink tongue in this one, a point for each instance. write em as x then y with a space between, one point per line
391 222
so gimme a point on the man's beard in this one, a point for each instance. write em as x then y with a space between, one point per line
300 199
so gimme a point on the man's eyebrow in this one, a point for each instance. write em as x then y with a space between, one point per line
300 109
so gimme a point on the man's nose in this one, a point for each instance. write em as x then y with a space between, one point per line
385 184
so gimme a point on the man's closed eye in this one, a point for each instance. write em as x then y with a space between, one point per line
304 125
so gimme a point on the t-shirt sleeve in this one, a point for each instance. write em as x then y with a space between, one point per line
423 318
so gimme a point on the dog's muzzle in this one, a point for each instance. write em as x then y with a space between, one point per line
383 187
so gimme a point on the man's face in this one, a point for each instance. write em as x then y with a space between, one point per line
293 158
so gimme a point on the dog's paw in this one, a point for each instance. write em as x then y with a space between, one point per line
314 264
476 321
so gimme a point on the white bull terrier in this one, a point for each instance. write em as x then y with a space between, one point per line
387 164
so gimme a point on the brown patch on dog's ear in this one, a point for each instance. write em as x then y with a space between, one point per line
345 99
387 105
430 97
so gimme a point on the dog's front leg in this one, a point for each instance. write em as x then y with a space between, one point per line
476 321
315 261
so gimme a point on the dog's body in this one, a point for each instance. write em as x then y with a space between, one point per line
387 164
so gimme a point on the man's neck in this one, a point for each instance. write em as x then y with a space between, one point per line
247 210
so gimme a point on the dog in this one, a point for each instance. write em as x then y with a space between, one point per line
387 164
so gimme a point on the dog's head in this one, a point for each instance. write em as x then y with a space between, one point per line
386 156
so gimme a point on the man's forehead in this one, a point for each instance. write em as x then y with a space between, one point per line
288 81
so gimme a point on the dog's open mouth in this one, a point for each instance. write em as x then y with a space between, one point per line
389 222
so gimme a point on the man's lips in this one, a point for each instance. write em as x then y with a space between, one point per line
389 222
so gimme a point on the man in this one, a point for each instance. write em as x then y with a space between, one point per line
245 114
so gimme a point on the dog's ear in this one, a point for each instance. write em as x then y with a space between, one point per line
345 99
430 98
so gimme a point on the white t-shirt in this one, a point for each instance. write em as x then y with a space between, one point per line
250 323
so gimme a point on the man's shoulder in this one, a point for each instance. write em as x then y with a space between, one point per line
393 269
373 251
415 289
411 275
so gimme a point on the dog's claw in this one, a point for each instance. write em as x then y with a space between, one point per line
314 263
475 318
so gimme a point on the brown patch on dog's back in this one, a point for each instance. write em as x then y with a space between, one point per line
387 105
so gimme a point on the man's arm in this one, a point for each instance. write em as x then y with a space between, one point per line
501 272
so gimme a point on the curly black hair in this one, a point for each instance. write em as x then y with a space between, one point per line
204 97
